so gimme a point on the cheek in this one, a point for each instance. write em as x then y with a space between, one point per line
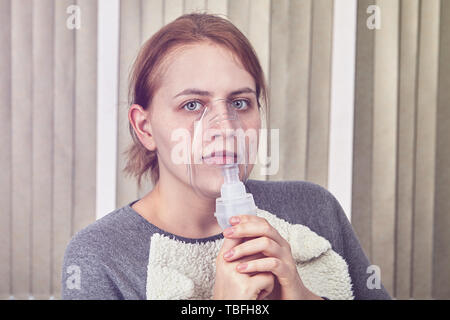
252 120
165 123
253 125
172 138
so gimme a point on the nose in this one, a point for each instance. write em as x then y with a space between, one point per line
222 121
223 116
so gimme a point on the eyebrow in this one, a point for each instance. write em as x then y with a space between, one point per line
194 91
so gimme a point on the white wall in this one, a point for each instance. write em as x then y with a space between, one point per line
107 96
342 103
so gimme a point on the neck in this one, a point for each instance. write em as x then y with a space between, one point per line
175 207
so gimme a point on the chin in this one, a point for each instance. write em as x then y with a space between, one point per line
209 185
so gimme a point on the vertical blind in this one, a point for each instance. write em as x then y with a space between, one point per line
48 134
401 149
400 206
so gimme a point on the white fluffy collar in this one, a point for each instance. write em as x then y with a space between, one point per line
181 270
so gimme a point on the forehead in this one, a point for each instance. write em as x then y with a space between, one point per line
207 66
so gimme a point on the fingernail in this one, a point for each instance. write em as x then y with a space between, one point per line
242 266
228 254
228 231
234 220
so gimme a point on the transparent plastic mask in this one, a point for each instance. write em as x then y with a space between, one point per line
218 141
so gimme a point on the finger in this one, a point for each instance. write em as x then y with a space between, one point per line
270 264
262 284
264 245
229 244
263 294
251 227
244 218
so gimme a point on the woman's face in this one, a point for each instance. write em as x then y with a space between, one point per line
194 76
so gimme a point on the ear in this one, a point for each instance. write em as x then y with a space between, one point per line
139 119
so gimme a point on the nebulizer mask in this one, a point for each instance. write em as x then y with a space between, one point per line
219 160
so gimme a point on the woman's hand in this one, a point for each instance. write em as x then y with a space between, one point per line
231 284
276 256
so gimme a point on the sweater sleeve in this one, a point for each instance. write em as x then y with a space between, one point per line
356 259
85 275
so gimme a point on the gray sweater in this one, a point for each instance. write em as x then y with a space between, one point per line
108 259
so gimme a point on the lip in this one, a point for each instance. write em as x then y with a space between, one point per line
220 158
221 154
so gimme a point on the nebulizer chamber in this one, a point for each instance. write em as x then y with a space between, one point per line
213 125
234 199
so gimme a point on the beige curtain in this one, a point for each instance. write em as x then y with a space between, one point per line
401 157
48 133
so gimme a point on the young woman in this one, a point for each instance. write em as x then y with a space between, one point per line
168 245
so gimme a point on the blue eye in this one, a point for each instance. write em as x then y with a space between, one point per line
241 104
192 106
